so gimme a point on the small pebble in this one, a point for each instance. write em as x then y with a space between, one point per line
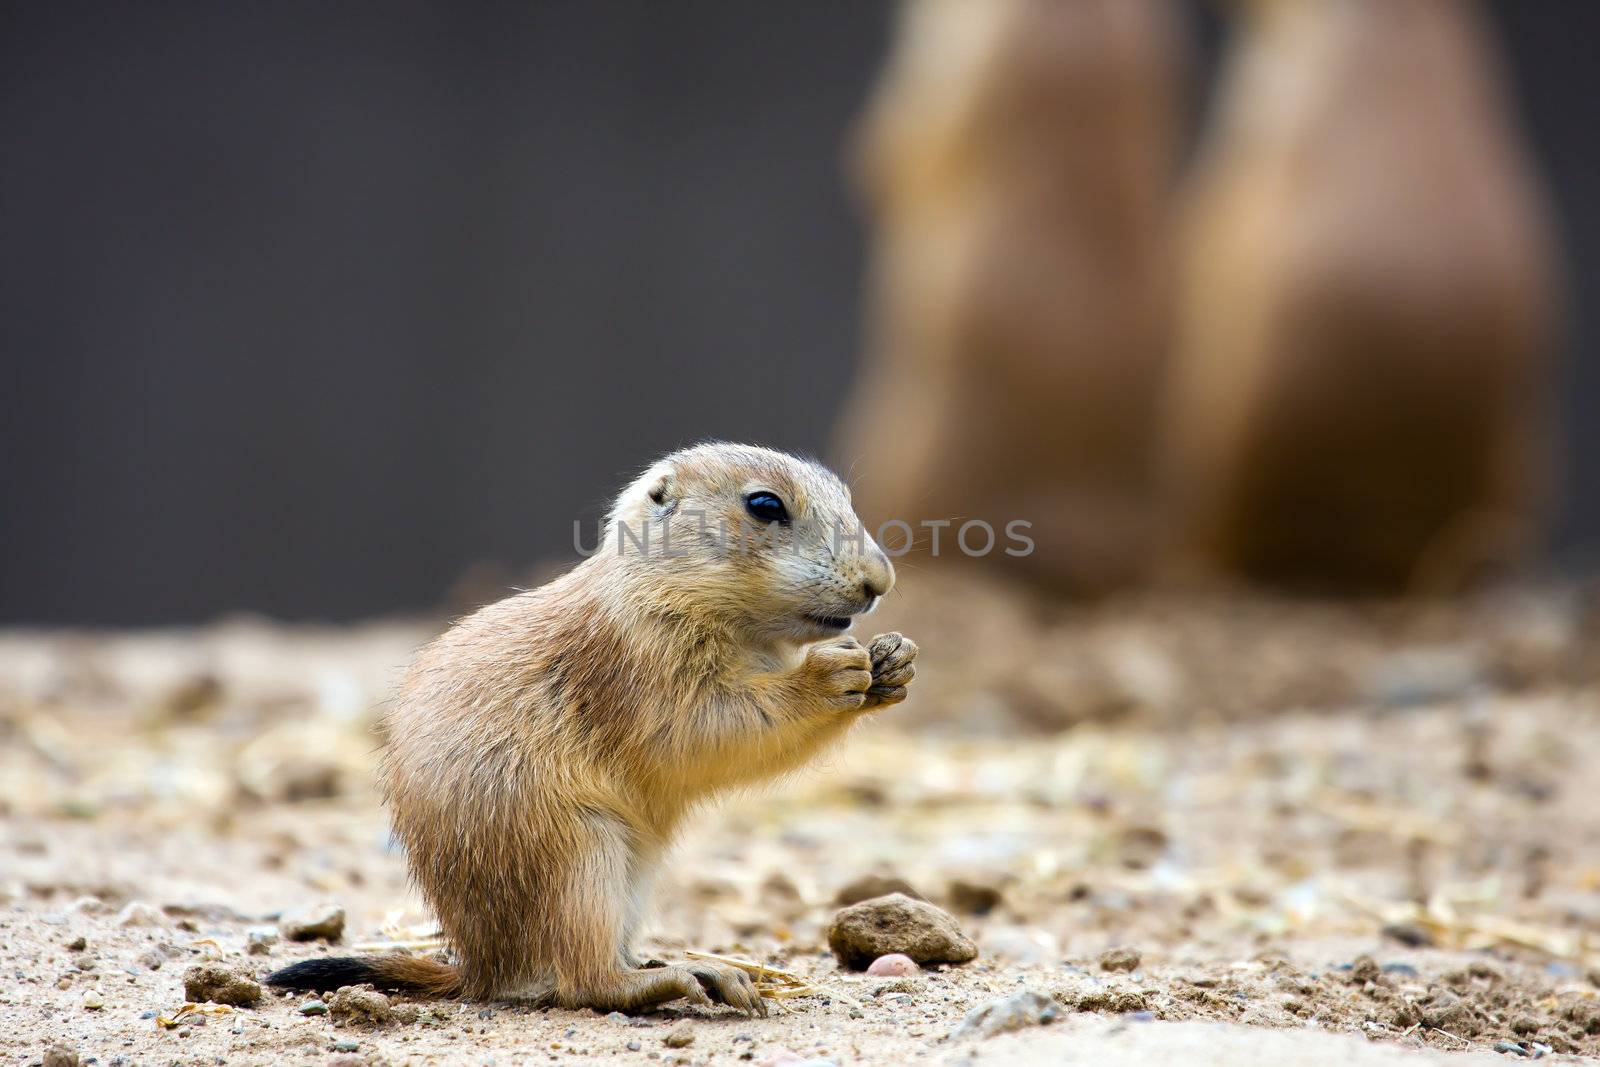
324 922
258 940
92 1000
680 1036
1020 1010
894 965
313 1007
1120 959
1409 934
138 913
56 1056
634 1046
345 1044
78 944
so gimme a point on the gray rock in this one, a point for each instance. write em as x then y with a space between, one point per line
1016 1012
862 932
221 984
324 922
313 1007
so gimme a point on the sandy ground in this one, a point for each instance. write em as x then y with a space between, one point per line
1330 834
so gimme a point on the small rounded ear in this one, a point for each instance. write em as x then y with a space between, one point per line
660 491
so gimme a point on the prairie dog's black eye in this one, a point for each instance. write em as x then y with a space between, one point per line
766 507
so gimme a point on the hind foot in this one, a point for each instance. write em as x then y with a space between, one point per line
698 983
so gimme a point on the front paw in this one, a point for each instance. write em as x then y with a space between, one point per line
893 666
840 672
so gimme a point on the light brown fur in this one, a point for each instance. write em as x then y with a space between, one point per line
543 751
1016 162
1368 303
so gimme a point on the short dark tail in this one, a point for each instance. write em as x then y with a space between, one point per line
393 973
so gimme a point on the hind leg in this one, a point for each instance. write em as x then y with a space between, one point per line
641 880
588 912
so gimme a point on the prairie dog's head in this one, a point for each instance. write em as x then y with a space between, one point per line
765 542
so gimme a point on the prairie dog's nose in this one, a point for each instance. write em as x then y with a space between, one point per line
877 575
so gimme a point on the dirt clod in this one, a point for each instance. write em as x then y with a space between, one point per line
1120 959
1109 1001
359 1005
680 1036
896 923
57 1056
1446 1011
222 984
1365 969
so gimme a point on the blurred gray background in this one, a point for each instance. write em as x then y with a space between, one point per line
306 308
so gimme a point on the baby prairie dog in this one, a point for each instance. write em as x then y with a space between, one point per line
542 752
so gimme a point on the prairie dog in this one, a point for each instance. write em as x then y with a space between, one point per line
1016 163
542 752
1368 300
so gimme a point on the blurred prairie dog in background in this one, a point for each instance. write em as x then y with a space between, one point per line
1016 163
542 752
1366 307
